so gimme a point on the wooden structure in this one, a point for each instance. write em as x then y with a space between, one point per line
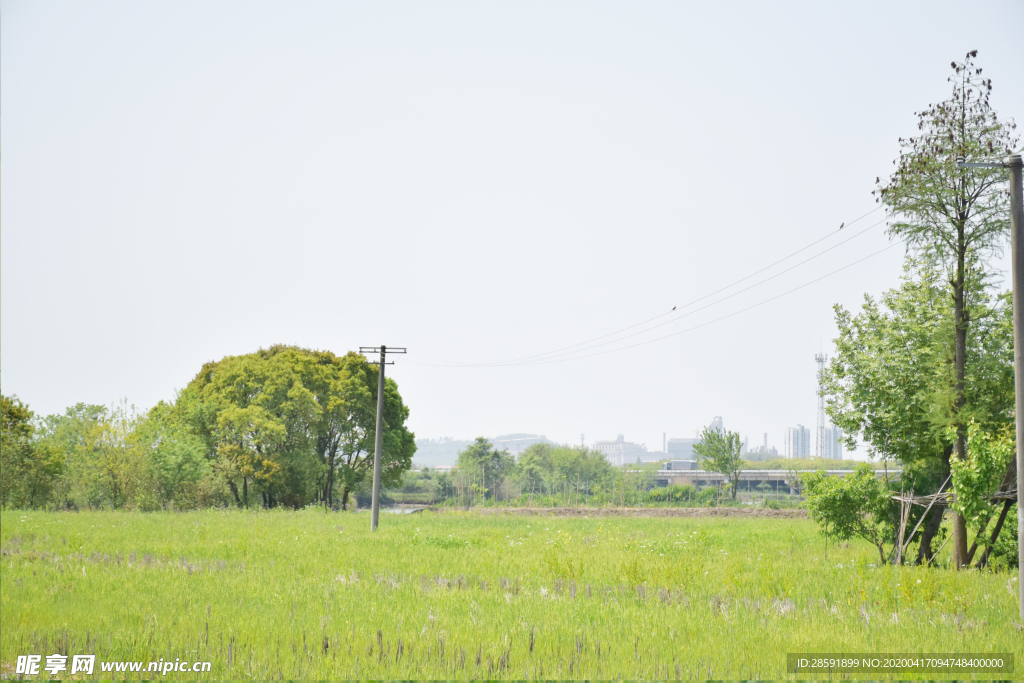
1006 494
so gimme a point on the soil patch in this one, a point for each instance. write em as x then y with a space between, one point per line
634 512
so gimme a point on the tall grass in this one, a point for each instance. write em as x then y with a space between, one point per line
314 594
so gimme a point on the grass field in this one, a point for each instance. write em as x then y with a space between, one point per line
312 594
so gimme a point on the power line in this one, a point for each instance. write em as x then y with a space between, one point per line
689 329
568 350
706 306
686 305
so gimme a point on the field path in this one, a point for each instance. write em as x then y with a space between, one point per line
633 512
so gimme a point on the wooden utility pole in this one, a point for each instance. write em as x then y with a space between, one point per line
1017 249
1015 165
379 435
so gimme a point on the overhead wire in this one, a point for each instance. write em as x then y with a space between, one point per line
567 350
706 306
686 305
545 361
724 317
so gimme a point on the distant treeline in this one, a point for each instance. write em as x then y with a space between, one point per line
282 426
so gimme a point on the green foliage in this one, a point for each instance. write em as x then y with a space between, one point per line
1004 552
28 468
956 218
556 465
975 480
719 451
485 465
799 464
676 493
941 209
295 424
892 379
105 464
289 425
854 506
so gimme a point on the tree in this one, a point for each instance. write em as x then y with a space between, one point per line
296 424
855 505
890 380
974 481
719 451
184 477
27 467
485 465
958 217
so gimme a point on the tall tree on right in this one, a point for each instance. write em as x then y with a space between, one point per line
958 217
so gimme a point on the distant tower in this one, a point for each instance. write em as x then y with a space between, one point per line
820 447
583 440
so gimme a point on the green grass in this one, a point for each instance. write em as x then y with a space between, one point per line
462 595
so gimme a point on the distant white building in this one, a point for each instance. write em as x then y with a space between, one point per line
622 452
762 452
833 443
517 443
798 442
682 449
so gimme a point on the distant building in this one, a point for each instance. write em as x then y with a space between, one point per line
833 443
517 443
682 449
762 452
622 452
716 424
798 442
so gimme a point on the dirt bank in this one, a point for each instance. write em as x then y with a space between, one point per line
634 512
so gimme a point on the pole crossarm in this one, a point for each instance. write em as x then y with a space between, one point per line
960 163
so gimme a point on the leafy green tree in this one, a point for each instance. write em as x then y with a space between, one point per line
104 463
74 434
184 477
958 217
485 465
975 480
565 466
258 418
534 466
345 388
296 425
855 505
719 451
890 380
28 468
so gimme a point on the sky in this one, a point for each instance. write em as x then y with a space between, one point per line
476 182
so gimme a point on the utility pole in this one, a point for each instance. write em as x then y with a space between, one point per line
379 435
1017 250
1015 165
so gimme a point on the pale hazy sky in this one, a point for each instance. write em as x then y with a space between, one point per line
475 181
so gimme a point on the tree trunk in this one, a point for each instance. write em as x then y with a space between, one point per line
234 490
983 562
328 494
960 362
934 523
344 497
